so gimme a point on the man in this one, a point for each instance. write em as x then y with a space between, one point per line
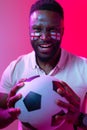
46 32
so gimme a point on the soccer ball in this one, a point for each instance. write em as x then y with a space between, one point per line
38 103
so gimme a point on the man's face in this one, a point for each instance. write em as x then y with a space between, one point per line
46 31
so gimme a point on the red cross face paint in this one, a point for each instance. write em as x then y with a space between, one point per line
52 35
55 36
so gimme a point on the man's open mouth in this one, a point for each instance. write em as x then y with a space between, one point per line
45 45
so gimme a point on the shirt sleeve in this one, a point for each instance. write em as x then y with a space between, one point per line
6 79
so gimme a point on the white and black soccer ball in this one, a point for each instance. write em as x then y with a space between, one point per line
38 103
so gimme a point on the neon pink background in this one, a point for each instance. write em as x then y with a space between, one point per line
14 39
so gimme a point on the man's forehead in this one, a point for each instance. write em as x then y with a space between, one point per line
44 13
45 16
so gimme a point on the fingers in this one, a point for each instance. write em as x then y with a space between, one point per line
59 85
11 101
72 104
14 112
58 120
70 95
12 97
72 114
67 106
65 91
15 89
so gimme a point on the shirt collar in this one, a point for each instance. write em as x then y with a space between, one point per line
63 59
33 60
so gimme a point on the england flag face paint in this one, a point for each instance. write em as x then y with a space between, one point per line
55 35
52 35
35 35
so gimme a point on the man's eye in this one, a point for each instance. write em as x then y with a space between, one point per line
37 30
53 31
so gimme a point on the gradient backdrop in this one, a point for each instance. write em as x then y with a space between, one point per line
14 39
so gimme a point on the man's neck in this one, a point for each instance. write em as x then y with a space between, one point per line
49 65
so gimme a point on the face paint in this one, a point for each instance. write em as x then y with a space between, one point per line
35 35
53 35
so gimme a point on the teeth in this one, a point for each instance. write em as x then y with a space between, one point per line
45 45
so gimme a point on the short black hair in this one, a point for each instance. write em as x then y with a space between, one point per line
50 5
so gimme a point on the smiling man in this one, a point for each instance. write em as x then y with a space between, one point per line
46 29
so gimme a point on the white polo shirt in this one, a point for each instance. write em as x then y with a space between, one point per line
70 68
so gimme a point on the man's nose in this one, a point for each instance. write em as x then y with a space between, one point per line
45 36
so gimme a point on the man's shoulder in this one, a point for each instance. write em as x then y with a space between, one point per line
26 56
74 60
23 58
73 56
15 70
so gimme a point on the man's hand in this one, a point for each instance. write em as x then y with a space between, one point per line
7 112
73 105
13 98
